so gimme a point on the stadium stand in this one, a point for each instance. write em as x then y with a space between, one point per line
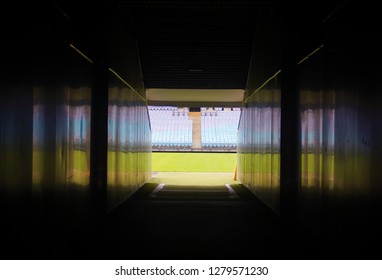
172 128
219 128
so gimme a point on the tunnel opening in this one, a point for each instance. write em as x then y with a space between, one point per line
190 141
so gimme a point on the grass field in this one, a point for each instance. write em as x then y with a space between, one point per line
193 162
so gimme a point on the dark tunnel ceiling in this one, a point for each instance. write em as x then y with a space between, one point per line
193 44
198 44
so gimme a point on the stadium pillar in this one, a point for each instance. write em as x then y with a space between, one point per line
99 126
196 129
290 140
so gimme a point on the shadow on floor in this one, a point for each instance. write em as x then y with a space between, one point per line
191 222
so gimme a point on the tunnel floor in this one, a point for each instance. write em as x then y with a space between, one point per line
191 222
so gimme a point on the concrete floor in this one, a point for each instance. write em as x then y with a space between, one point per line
191 222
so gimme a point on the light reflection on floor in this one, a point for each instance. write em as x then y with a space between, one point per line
193 178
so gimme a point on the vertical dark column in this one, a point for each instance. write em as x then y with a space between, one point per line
99 125
290 125
16 133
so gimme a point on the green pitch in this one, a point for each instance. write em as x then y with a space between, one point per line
193 162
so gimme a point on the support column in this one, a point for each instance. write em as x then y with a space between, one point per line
99 127
290 121
196 129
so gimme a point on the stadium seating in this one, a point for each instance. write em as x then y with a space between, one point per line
219 128
170 127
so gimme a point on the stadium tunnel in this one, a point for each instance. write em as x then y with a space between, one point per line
306 76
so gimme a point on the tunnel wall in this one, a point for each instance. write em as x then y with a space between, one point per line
48 74
61 135
129 132
258 157
16 122
129 142
339 92
45 89
335 68
258 152
129 149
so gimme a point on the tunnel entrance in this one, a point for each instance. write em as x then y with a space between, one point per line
194 129
193 146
